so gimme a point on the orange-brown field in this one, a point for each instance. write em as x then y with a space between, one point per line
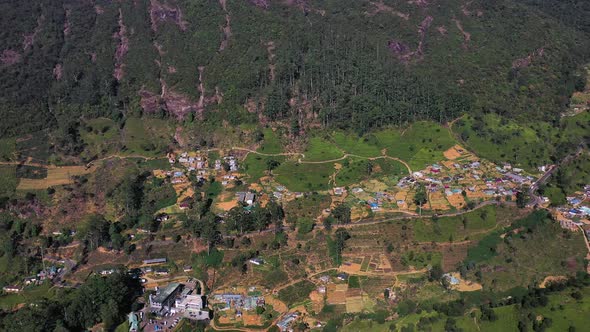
456 200
337 293
453 153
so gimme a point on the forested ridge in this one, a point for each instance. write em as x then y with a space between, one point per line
349 64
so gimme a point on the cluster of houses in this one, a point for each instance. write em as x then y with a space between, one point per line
285 323
153 266
281 193
196 162
192 161
238 302
473 179
576 213
47 274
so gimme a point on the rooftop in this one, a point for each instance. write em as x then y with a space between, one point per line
164 293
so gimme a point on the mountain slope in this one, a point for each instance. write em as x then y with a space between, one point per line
347 63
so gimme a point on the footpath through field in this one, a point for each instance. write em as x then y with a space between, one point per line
302 155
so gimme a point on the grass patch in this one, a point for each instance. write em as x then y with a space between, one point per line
500 140
28 295
565 311
304 177
256 165
367 146
320 149
151 164
304 225
355 170
419 145
272 143
421 260
100 136
146 136
455 228
213 189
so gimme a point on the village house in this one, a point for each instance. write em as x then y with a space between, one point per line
256 261
286 321
154 261
249 199
569 225
186 203
162 271
12 289
241 196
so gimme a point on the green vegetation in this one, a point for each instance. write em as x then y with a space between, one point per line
420 260
556 195
353 282
448 229
320 149
7 149
29 295
304 225
256 165
421 144
146 136
8 180
525 144
513 252
570 178
355 170
100 136
272 143
500 140
100 299
296 293
304 177
307 207
366 146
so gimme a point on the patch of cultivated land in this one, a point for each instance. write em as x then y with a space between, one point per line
56 176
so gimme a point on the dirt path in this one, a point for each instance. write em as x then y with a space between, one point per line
585 238
48 166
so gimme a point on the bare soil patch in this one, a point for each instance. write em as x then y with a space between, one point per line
550 279
337 293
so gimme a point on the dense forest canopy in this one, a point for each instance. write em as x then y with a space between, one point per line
327 62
